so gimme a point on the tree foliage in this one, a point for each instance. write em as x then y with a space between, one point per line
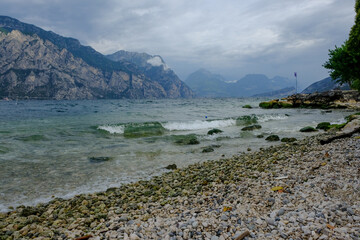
344 61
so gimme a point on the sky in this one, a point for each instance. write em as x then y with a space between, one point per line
228 37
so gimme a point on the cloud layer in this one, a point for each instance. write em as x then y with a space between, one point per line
229 37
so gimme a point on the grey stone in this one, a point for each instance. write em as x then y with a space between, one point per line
281 212
271 221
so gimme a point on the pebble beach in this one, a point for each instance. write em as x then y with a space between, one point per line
300 190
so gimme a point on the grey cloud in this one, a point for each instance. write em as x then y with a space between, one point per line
232 37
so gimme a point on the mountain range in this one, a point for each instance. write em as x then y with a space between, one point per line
39 64
207 84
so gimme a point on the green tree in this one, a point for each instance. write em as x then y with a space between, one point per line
344 61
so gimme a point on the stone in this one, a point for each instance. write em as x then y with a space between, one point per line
205 224
214 131
308 129
271 221
224 217
99 159
288 140
208 149
281 212
323 125
251 127
272 138
171 166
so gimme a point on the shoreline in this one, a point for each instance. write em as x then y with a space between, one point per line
219 199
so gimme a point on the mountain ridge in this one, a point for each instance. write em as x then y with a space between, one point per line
206 84
324 85
90 75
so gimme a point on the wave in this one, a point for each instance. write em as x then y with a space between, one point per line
271 117
150 127
112 129
198 125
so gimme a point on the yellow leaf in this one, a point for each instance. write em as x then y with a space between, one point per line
358 137
330 226
323 164
226 209
277 188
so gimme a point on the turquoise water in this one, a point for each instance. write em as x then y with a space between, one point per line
62 148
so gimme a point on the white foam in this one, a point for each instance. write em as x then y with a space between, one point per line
270 117
198 125
112 129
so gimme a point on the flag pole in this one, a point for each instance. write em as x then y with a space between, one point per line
295 74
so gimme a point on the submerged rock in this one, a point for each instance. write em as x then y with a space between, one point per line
272 138
214 131
136 130
99 159
251 128
208 149
246 120
308 129
247 106
189 139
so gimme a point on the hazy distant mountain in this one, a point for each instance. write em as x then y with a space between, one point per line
206 84
40 64
325 85
253 84
277 93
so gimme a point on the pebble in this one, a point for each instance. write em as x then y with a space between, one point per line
217 200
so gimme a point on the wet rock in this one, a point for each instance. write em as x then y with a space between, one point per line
214 131
247 106
171 166
190 139
99 159
308 129
246 120
251 128
208 149
288 140
323 125
272 138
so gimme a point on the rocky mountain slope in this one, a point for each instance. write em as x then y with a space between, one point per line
39 64
324 85
155 68
207 84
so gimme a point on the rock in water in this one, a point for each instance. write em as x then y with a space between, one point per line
171 166
272 138
323 125
99 159
214 131
190 139
308 129
208 149
251 128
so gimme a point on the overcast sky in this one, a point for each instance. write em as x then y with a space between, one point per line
228 37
